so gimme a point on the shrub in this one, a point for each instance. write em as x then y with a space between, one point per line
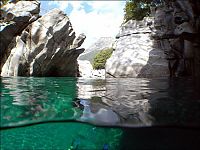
100 59
136 9
4 2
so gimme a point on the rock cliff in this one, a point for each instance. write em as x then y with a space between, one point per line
42 46
14 19
167 44
136 54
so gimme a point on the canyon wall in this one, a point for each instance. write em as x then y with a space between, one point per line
166 44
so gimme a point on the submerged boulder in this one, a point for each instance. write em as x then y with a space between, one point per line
46 47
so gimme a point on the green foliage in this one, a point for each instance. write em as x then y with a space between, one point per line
101 58
4 2
136 9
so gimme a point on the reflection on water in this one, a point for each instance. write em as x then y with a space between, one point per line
155 103
27 100
145 102
121 102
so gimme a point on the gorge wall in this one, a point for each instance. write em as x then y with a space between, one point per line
33 45
136 54
165 44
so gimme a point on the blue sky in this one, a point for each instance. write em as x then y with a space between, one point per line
93 18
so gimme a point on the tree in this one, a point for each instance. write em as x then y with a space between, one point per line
4 2
136 9
101 58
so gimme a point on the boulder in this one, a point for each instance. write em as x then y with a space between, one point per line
45 48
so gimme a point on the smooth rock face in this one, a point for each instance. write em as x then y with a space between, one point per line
15 18
170 43
177 31
45 48
136 54
100 44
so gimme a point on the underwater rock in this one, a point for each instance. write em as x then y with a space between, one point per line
101 117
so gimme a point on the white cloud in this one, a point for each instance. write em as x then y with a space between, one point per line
61 4
104 19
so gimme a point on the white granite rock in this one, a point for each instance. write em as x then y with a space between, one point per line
136 54
45 48
14 19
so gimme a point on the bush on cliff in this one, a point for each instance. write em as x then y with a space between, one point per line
136 9
100 59
4 2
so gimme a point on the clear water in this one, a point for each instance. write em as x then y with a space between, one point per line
49 113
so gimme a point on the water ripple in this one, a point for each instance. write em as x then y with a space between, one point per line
117 102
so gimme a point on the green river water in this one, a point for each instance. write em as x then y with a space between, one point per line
73 113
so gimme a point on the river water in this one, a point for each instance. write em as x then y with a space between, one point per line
75 113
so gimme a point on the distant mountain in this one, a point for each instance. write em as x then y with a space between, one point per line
100 44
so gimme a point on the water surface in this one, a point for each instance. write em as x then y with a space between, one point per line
51 109
117 102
